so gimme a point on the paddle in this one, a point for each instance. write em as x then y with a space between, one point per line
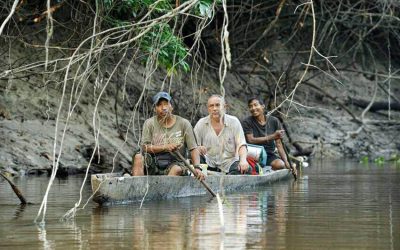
178 155
290 162
15 189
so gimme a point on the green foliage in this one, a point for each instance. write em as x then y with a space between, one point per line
172 52
396 159
379 160
127 9
205 8
364 160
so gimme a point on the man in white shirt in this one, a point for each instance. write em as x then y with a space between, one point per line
221 139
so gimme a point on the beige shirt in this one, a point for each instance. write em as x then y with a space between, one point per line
180 133
222 149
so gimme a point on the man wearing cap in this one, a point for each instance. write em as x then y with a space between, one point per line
162 134
221 139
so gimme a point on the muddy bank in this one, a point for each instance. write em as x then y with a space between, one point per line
106 117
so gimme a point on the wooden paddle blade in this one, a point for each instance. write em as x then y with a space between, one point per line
290 162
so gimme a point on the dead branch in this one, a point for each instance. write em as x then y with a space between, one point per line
354 134
376 106
383 122
45 13
268 29
15 189
342 105
397 100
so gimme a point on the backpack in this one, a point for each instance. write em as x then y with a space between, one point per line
255 167
257 158
257 153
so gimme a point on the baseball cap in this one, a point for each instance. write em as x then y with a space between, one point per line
161 95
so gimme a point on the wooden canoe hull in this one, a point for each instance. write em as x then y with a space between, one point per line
110 188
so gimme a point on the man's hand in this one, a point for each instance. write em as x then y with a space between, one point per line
294 170
202 150
171 147
243 166
200 175
278 134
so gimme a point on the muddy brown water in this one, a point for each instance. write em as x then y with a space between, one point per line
333 205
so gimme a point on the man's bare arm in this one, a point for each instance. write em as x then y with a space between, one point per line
264 139
281 152
155 149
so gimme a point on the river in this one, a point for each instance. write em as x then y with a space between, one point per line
333 205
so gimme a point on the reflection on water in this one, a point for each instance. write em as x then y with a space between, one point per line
19 210
42 237
339 205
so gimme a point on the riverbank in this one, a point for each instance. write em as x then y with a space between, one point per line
107 115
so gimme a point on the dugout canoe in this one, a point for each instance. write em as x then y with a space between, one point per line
114 188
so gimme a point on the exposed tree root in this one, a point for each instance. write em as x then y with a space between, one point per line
376 106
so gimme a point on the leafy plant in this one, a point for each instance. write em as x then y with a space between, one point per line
364 160
127 9
379 160
170 51
396 159
205 8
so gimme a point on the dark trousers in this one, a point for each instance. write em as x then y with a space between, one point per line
233 169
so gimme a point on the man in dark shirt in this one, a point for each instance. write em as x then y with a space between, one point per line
265 131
